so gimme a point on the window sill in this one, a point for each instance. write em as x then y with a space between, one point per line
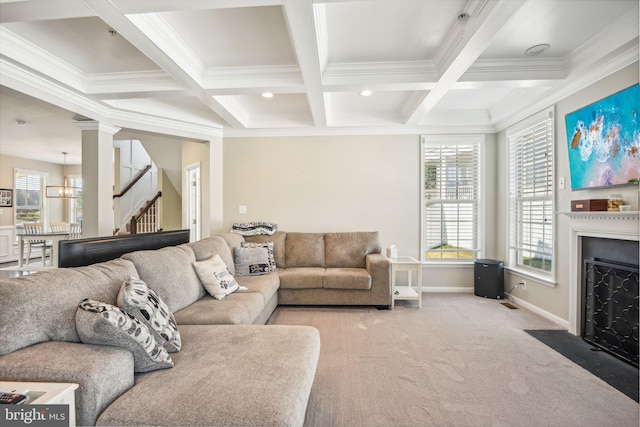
439 264
543 280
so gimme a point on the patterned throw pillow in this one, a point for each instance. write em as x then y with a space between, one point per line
106 324
145 304
215 277
268 246
251 261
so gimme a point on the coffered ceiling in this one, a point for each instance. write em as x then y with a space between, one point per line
199 68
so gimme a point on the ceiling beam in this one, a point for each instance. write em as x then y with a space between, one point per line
302 30
464 45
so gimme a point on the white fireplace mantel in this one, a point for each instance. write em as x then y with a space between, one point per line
606 225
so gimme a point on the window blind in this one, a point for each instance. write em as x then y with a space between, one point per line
29 196
531 193
451 199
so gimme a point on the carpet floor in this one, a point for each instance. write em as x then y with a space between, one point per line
461 360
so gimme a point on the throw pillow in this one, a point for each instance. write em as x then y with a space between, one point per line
215 277
270 251
106 324
251 261
136 298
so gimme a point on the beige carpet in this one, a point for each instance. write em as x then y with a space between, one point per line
461 360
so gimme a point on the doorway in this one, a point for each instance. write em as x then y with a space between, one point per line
194 205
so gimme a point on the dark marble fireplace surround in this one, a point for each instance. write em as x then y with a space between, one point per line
610 296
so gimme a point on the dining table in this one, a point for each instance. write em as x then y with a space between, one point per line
52 236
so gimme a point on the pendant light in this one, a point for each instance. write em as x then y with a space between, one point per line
63 191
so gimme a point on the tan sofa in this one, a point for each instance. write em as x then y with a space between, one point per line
327 268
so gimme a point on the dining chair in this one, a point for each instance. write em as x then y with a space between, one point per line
59 226
75 230
37 228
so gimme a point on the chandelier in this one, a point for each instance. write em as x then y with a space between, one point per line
63 191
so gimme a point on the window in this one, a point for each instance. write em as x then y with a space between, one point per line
76 204
531 193
451 197
29 188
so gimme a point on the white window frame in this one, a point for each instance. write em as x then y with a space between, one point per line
517 243
75 180
44 217
444 141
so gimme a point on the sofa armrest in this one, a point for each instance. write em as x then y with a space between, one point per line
103 372
378 266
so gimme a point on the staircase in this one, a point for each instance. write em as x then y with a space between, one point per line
147 220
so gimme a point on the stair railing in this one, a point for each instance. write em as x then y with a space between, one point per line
133 182
148 220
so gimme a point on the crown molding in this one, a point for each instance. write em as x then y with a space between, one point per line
25 52
96 125
135 81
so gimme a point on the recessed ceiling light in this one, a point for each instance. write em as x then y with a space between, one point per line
366 92
112 32
538 49
463 17
267 95
21 122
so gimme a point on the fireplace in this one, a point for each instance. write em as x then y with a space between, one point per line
612 227
610 288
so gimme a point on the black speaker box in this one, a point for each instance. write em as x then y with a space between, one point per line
488 278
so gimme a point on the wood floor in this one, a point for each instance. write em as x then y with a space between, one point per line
8 274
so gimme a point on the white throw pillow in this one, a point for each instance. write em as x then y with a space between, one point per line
215 277
105 324
136 298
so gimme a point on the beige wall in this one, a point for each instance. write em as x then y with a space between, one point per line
57 209
555 300
313 184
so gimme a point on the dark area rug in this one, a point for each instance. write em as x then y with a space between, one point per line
608 368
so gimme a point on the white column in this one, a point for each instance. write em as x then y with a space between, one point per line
97 177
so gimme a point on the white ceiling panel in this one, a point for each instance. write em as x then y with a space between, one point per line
389 31
84 43
242 37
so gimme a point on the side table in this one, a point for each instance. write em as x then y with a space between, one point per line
410 292
46 393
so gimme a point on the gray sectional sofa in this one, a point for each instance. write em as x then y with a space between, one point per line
232 369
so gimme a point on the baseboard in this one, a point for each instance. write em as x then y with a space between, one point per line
555 319
454 289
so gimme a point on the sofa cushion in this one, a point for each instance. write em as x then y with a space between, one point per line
240 308
216 245
304 250
42 307
268 246
266 284
301 278
145 304
215 277
261 376
346 278
170 273
278 240
350 249
252 261
233 240
106 324
102 372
